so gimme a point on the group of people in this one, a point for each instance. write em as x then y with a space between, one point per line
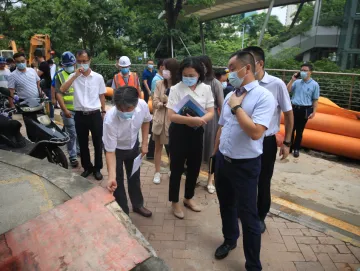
236 132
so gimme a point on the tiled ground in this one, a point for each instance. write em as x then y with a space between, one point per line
190 244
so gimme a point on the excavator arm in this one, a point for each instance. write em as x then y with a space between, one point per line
40 41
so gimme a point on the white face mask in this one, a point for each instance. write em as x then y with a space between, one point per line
234 79
166 74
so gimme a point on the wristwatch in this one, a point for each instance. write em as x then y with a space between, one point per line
233 110
287 144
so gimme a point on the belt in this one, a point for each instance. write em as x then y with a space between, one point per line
269 136
301 106
85 113
237 161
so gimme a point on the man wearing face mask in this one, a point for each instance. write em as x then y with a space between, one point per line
147 77
159 74
89 107
125 77
121 127
305 95
245 117
66 102
283 104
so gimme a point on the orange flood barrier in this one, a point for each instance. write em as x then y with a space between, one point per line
109 92
333 125
330 143
327 106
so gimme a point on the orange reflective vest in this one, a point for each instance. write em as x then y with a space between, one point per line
133 80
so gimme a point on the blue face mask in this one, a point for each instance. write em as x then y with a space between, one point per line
21 66
125 115
124 70
70 69
84 66
224 85
234 79
189 81
303 75
150 66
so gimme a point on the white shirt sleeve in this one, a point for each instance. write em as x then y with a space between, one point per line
11 81
284 97
102 86
173 99
147 117
209 98
71 76
109 136
264 110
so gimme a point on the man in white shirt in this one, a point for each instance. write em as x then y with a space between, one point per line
121 127
245 117
89 89
283 104
4 73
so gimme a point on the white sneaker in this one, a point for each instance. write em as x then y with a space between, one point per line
157 178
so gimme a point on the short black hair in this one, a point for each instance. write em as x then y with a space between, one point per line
17 55
209 68
245 58
149 60
126 96
83 51
219 74
309 65
195 63
160 63
39 53
50 62
10 60
257 51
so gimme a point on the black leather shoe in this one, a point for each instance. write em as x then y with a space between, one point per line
262 226
86 173
98 176
296 153
143 211
223 250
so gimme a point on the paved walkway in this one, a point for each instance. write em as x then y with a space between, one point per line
190 244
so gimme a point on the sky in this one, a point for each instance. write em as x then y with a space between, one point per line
278 11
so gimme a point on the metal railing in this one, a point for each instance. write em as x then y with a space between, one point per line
342 88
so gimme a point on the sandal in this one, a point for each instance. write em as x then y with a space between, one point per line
211 189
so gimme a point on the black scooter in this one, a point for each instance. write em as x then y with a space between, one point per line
46 137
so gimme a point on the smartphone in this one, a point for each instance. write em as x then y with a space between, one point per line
297 75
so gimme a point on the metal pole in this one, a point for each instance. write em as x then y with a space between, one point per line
243 37
202 38
266 22
157 48
351 88
316 13
184 46
172 47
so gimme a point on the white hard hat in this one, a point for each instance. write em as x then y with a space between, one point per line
124 61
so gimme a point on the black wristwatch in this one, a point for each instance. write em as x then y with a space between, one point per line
233 110
287 144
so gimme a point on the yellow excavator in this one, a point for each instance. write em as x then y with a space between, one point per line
10 51
40 42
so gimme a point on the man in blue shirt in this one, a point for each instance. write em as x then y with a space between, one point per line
305 95
245 117
147 77
158 76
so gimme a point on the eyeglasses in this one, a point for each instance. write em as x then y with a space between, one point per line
82 62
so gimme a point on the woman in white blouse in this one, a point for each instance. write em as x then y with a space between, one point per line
186 133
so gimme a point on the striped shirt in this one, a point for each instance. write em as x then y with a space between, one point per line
24 83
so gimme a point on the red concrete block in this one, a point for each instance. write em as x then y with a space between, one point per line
81 234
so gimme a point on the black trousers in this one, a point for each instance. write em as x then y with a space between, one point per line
185 144
84 124
300 121
126 157
267 169
236 187
146 94
151 146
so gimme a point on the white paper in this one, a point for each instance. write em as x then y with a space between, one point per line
136 165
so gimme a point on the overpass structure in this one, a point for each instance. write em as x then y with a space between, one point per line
223 8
